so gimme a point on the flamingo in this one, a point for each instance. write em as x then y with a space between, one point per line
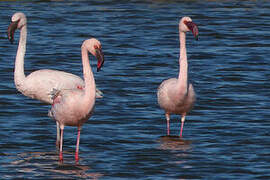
74 107
176 95
39 84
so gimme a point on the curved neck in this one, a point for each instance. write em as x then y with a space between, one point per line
19 75
183 70
90 86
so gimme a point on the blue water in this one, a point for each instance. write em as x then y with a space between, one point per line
226 135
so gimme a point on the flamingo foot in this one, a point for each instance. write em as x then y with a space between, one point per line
77 157
61 157
181 131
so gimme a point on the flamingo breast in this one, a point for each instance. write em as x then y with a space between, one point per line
170 102
70 108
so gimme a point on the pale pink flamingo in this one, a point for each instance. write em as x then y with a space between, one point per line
74 107
39 84
177 96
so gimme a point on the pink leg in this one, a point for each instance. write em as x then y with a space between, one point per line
57 143
168 123
78 144
61 145
182 124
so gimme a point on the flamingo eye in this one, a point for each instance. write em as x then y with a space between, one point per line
96 47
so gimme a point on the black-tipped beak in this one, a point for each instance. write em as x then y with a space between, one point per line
194 29
11 29
100 58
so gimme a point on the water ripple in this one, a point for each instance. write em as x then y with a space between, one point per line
226 135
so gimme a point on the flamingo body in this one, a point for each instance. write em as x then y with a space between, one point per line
166 99
39 84
68 110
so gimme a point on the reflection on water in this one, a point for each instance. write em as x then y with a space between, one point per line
179 146
174 143
44 163
229 68
77 171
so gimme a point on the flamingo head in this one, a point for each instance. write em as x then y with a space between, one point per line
18 20
94 47
186 25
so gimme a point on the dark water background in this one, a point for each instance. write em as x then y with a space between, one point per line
226 134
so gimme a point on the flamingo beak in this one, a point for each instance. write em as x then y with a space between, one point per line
100 58
11 29
194 29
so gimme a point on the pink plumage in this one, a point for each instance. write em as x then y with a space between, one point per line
39 84
74 107
176 95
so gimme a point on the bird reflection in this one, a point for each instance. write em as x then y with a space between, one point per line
76 170
174 143
42 163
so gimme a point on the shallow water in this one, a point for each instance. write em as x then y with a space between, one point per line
226 135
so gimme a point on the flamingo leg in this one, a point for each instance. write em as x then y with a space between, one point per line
78 144
168 123
182 124
61 145
57 143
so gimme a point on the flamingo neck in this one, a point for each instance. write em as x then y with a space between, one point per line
19 75
183 70
90 85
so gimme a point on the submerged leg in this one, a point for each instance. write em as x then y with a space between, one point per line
78 144
57 143
61 145
182 124
168 123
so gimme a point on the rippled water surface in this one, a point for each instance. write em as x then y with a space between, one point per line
226 135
